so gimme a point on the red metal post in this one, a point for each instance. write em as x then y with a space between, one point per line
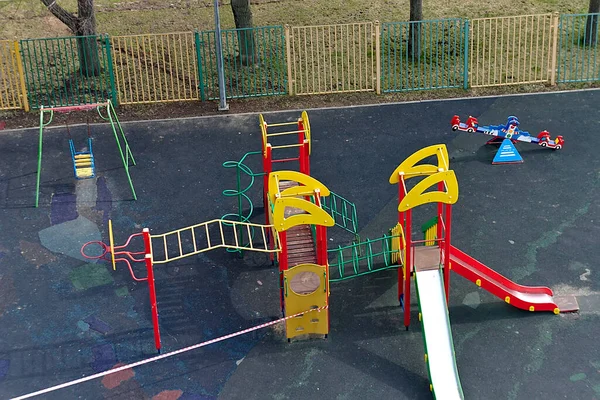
408 268
283 262
305 153
151 288
267 168
401 222
447 251
440 211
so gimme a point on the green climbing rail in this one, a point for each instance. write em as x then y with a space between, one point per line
342 211
241 169
364 258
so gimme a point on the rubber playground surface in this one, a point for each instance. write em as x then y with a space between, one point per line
63 317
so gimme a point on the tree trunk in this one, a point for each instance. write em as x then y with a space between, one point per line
591 25
243 22
87 47
82 24
414 34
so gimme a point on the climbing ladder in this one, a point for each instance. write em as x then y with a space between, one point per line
210 235
343 212
366 257
300 241
271 132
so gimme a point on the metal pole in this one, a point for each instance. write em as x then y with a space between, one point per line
223 106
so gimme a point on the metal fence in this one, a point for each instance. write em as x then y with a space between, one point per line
578 59
253 60
333 58
12 85
422 55
155 68
67 71
511 50
272 60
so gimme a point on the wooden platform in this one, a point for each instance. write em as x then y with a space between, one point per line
427 258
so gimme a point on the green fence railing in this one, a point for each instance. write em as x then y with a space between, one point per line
422 55
253 60
343 212
68 71
362 258
578 48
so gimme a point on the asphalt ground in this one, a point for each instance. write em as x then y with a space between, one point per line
63 317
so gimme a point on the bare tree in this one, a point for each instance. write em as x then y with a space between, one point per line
591 25
242 16
414 34
82 24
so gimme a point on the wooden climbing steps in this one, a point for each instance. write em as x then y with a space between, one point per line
300 241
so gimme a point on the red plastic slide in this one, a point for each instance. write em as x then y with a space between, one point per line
531 298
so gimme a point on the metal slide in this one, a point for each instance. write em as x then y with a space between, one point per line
439 348
532 298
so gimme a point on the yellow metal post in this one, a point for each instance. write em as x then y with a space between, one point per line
24 99
554 48
288 54
377 57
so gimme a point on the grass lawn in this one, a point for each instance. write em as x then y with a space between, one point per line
21 19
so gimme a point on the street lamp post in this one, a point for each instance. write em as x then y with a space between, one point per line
223 106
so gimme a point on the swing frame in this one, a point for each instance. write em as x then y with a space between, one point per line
110 116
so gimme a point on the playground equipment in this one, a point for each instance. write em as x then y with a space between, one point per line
295 235
507 135
299 150
430 261
294 210
84 162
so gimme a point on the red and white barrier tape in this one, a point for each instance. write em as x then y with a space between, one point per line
161 356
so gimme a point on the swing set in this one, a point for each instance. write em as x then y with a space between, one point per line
84 165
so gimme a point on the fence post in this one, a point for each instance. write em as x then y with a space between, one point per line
466 56
24 96
199 61
554 48
111 71
378 56
288 55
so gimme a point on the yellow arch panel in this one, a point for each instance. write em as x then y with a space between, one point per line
409 168
306 124
310 214
310 184
418 196
263 130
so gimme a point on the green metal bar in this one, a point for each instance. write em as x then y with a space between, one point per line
111 72
110 111
466 56
40 142
56 51
341 268
78 79
199 65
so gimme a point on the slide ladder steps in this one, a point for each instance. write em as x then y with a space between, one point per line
300 241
